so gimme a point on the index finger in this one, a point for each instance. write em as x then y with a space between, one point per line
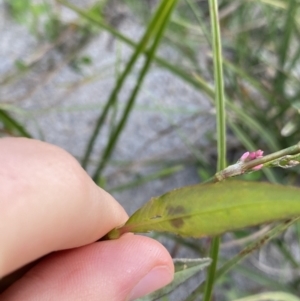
47 203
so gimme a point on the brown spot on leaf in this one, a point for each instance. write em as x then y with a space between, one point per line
176 210
177 222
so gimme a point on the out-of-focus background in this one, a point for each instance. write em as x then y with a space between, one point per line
62 61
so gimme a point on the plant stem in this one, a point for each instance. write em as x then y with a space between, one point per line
221 130
285 158
265 159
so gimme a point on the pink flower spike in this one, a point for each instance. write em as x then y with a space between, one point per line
244 156
259 154
249 156
258 167
252 156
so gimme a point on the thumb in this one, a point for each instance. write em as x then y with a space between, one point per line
119 270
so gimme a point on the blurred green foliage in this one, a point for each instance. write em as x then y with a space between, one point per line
261 61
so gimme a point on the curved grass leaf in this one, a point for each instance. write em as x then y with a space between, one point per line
12 125
211 209
157 28
184 270
194 80
255 245
142 45
274 296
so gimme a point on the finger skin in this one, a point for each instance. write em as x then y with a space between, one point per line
106 271
47 203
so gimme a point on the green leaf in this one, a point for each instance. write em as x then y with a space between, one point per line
274 296
184 270
11 125
211 209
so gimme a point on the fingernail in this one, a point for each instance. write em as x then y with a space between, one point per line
155 279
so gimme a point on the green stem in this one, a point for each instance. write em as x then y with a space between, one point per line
221 131
219 86
211 273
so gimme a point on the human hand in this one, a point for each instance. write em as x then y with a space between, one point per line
48 204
